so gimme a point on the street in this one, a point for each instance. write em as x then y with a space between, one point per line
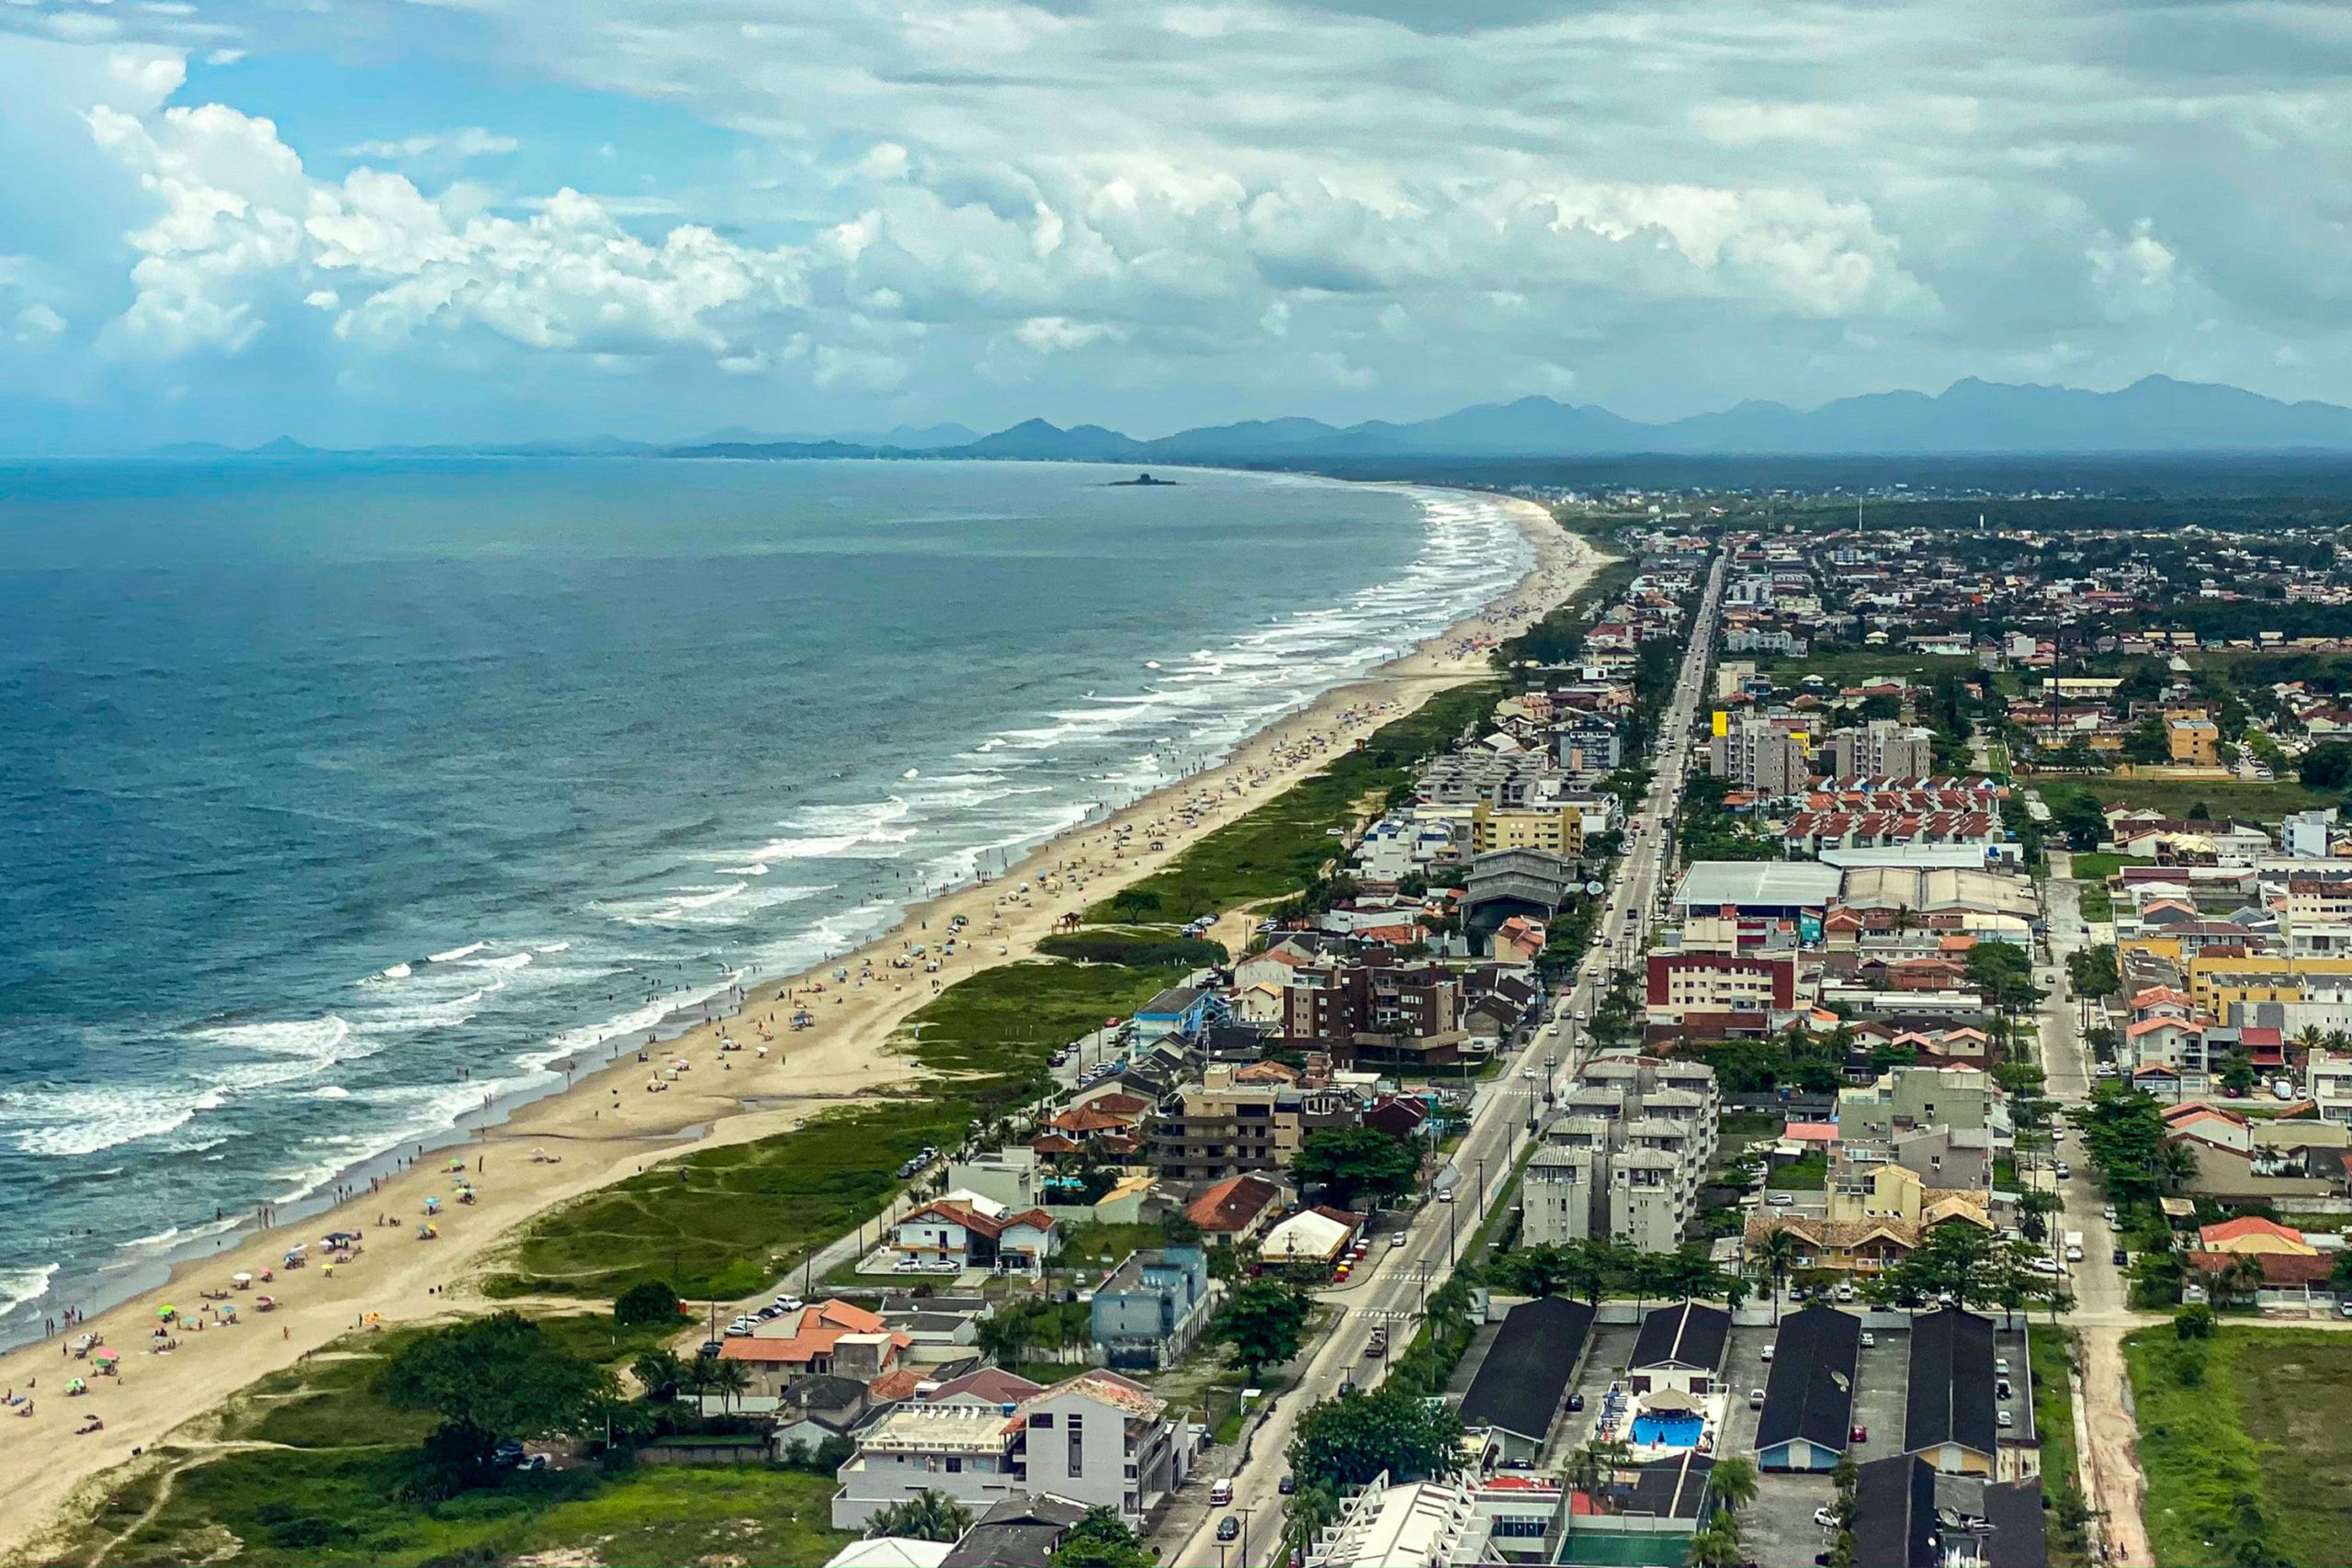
1498 1130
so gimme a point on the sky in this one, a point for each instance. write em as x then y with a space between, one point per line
364 221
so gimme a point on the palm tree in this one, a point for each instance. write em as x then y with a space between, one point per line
926 1516
2244 1274
1733 1479
1779 1252
730 1380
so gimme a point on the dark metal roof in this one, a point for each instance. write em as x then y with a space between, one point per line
1951 1383
1895 1513
1529 1367
1671 1488
1811 1392
2014 1509
1020 1532
1693 1335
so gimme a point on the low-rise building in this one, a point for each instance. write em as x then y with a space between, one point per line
1153 1307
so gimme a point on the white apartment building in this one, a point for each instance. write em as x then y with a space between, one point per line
1628 1156
1758 754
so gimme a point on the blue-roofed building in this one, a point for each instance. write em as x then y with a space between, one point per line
1185 1011
1153 1307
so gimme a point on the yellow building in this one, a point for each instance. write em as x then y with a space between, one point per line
2192 741
1559 828
2214 981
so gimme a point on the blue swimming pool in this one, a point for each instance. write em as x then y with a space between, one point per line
1673 1431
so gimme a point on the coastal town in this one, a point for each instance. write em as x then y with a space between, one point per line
1818 1030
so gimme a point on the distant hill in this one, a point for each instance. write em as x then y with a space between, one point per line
2152 416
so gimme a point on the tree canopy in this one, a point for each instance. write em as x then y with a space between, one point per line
1345 1442
492 1378
1101 1540
1262 1321
1347 1163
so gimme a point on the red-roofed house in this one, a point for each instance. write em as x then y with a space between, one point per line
1237 1209
830 1337
2252 1234
976 1232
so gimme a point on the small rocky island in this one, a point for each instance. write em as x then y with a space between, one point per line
1143 479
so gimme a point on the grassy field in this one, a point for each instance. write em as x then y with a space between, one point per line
1851 666
326 1492
2253 1445
2225 798
726 1221
1809 1174
1284 844
2097 903
2098 865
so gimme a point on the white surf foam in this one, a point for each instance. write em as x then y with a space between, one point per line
456 953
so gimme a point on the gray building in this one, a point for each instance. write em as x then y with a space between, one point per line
1758 754
1882 749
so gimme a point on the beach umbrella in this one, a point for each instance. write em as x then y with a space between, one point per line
241 1280
168 1313
105 1358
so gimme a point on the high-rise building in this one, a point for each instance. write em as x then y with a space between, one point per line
1882 749
1758 754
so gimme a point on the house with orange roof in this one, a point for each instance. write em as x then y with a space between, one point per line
2252 1234
832 1337
1238 1209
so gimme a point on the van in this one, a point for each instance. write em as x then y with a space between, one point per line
1220 1493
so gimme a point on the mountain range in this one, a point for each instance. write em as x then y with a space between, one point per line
2154 416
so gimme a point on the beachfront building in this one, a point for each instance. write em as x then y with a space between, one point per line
830 1337
1095 1441
977 1233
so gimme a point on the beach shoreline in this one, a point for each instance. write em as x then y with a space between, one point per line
604 1123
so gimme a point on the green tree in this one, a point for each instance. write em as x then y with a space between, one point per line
1779 1252
2326 766
1344 1442
2194 1322
490 1379
1735 1482
648 1300
926 1516
1718 1545
1101 1540
1262 1321
1347 1163
659 1374
728 1380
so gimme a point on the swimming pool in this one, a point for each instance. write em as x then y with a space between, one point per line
1676 1430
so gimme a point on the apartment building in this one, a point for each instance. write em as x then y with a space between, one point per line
1685 981
1559 828
1882 749
1221 1127
1635 1140
1758 754
1415 1009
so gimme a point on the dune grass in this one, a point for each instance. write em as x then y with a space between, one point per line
327 1491
726 1221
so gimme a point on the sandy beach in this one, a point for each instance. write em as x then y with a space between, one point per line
608 1124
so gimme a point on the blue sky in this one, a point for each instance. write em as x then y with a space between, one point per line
374 220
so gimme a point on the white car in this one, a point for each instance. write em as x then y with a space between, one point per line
1825 1518
1781 1200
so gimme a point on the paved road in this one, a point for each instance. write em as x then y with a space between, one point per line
2112 1479
1402 1277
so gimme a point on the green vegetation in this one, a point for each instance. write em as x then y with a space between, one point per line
1851 666
336 1487
2050 1351
2246 1455
1261 1322
1349 1163
726 1221
1285 845
2097 903
1139 948
2098 865
2224 799
1807 1173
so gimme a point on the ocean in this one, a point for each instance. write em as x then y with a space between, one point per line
323 781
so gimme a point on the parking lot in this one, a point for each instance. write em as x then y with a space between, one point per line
1611 1346
1780 1528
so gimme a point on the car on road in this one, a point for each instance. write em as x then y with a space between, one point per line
2062 1169
710 1348
2120 1257
1220 1493
1228 1528
1396 1241
1288 1485
1446 1196
1781 1200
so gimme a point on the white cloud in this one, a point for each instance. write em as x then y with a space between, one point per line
473 141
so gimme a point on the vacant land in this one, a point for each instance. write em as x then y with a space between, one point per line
1808 1174
2054 1423
2245 1444
2223 799
725 1221
1852 667
310 1467
2098 865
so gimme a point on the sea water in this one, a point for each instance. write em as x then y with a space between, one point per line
324 781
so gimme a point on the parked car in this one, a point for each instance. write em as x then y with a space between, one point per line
1220 1493
506 1454
1825 1518
1768 1355
2121 1259
1396 1241
1756 1399
1861 1434
1576 1403
2005 1419
1870 1340
1288 1485
710 1348
1781 1200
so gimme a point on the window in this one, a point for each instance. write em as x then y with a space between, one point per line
1077 1446
1042 1422
955 1465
